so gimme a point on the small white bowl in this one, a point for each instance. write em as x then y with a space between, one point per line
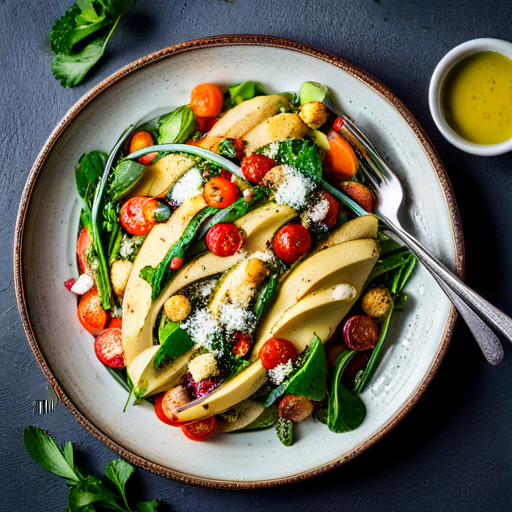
447 62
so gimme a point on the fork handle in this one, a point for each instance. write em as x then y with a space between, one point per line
483 319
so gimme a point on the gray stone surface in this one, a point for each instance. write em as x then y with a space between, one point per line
453 451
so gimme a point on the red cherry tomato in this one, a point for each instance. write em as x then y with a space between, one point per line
90 313
334 209
241 344
69 284
166 405
205 124
83 247
295 408
115 323
291 242
360 194
255 167
147 159
220 192
137 215
338 124
206 100
200 430
109 348
360 332
224 239
277 351
176 263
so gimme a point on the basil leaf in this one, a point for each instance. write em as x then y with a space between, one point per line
227 149
45 452
177 126
346 411
88 173
118 471
124 178
174 341
284 429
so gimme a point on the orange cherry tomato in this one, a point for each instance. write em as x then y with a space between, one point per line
83 246
206 100
166 405
90 313
200 430
205 124
340 162
291 242
141 140
115 323
220 192
109 348
277 351
360 194
137 215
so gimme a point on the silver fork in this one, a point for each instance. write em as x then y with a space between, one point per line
483 319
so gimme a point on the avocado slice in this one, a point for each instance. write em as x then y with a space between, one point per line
354 261
159 177
242 118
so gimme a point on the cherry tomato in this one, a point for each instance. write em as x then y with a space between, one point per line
224 239
255 167
340 163
115 323
176 263
241 344
166 405
334 209
147 159
200 430
137 215
69 284
277 351
360 194
109 348
220 192
83 246
291 242
206 100
205 124
295 408
90 313
360 332
338 124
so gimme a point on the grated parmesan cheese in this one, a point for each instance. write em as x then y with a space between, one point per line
189 185
294 189
264 255
280 372
343 291
235 318
319 210
207 288
202 328
273 149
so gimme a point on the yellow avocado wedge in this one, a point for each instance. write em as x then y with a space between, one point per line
137 296
355 260
258 226
277 128
159 177
242 118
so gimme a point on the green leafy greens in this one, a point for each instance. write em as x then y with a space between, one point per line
85 491
79 37
303 155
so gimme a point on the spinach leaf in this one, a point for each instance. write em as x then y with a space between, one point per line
346 411
43 450
124 178
244 91
268 418
118 471
174 341
88 174
276 393
303 155
177 126
284 429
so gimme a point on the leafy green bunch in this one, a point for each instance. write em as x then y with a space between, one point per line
86 492
79 37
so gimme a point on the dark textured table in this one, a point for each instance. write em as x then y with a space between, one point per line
453 451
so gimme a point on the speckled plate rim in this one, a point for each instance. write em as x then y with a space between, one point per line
210 42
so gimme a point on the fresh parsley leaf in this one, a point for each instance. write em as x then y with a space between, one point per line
62 34
68 454
147 506
43 450
118 471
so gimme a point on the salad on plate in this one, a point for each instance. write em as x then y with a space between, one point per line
222 270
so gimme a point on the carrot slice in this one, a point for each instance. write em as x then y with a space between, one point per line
340 163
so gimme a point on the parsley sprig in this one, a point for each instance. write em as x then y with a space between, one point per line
87 493
79 37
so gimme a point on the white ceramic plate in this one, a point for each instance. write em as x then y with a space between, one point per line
45 258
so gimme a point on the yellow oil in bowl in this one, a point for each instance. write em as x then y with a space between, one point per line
476 98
